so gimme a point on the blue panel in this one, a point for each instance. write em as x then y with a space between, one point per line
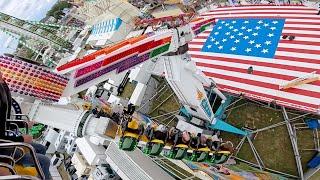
313 123
102 27
118 23
206 107
249 37
99 28
106 29
314 162
221 125
107 26
113 22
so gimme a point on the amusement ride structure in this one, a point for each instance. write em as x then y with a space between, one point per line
102 135
48 35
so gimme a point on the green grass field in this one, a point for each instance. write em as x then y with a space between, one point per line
169 105
128 90
273 145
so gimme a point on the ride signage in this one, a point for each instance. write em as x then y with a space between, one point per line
204 104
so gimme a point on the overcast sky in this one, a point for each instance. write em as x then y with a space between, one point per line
23 9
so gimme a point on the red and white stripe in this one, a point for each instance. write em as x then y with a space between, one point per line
292 59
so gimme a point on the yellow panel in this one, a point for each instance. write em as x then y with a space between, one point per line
206 149
31 171
181 146
129 134
224 152
134 124
157 141
144 138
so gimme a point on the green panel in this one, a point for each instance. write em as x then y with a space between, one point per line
204 27
159 50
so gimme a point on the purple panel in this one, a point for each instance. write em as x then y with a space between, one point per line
88 69
120 66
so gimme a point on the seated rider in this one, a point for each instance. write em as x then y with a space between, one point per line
5 110
227 146
194 141
182 137
131 109
204 141
215 143
133 126
172 133
160 133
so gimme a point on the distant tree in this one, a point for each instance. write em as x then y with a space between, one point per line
56 10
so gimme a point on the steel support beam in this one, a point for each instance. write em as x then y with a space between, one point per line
172 112
162 103
293 139
152 98
234 103
279 124
268 169
256 155
236 107
239 146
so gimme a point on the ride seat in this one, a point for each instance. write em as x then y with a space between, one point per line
20 169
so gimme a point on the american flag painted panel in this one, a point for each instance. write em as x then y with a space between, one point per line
248 36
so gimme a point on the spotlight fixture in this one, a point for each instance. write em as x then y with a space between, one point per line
250 70
291 38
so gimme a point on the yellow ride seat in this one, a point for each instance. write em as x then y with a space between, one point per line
181 146
21 170
224 152
129 134
134 124
158 141
144 138
205 149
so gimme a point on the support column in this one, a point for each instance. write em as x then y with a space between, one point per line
256 155
293 139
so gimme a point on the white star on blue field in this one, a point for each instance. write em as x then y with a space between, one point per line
249 37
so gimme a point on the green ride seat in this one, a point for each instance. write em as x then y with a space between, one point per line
222 157
203 156
156 149
128 144
180 154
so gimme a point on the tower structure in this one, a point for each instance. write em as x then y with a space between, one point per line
34 35
54 27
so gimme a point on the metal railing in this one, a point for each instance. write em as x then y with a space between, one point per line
9 167
20 177
32 152
24 122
